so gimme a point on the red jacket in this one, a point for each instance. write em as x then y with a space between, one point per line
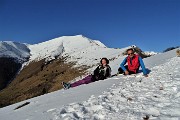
133 65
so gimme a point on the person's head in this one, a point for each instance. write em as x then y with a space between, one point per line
130 52
104 61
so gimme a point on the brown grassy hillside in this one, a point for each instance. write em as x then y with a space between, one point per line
39 78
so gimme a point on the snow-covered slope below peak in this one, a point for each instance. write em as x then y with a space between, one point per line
49 50
97 42
159 58
14 50
77 43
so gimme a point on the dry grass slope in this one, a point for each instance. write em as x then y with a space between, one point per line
178 53
39 78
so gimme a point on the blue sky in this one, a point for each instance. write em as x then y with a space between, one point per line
150 24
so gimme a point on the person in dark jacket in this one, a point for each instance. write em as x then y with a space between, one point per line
102 72
133 63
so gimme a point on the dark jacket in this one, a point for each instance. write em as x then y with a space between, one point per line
101 73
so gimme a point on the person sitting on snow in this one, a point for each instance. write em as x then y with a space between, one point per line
133 63
102 72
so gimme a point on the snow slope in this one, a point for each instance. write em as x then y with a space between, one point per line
14 50
116 98
150 53
45 50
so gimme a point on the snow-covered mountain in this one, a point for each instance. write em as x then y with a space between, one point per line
117 98
47 64
12 55
62 45
14 50
49 49
39 67
77 48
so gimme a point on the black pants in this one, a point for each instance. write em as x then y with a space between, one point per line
120 70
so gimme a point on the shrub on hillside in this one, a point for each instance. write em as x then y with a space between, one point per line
178 52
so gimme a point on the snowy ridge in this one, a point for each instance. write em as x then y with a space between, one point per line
14 50
99 43
150 53
79 48
116 98
76 48
48 50
55 47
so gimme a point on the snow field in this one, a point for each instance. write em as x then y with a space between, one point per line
156 96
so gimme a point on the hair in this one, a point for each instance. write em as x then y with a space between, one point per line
129 50
107 61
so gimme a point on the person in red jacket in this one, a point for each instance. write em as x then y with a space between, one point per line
133 63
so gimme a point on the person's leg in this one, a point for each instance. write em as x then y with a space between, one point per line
131 72
85 80
120 70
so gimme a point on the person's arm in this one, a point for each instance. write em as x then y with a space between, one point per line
123 63
108 72
96 71
143 66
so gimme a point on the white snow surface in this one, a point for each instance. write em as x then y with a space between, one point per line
150 53
14 50
117 98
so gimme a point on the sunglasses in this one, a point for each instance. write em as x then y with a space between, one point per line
130 53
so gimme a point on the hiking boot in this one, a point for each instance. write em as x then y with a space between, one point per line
66 85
